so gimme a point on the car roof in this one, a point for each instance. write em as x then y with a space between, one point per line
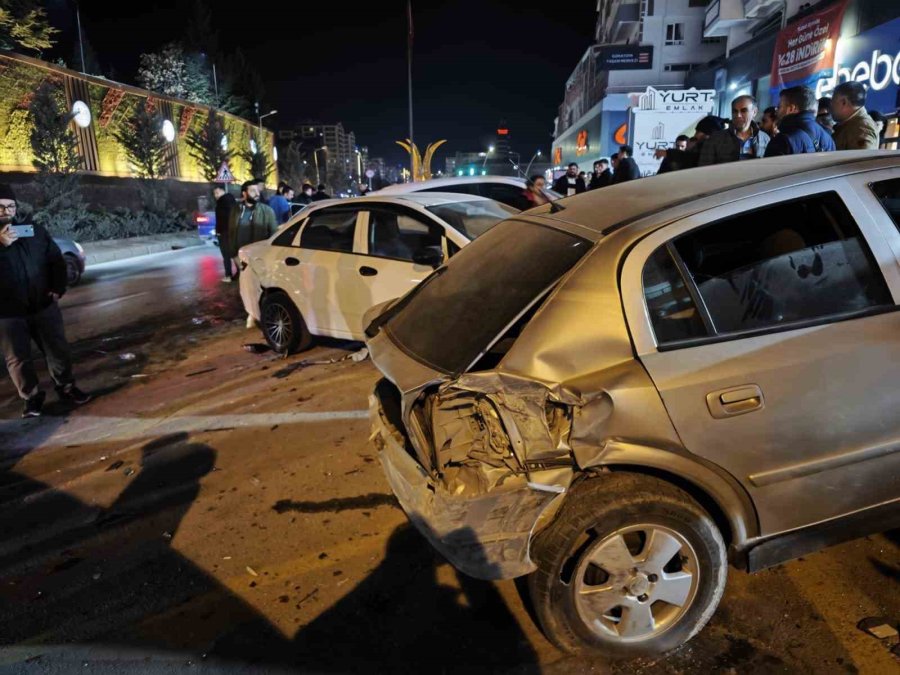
422 199
606 209
434 183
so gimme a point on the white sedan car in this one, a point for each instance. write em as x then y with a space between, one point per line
337 258
508 190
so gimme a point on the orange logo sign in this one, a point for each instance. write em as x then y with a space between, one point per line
581 143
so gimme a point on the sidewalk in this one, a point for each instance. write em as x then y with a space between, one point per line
97 252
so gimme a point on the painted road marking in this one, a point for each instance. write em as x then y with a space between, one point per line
48 431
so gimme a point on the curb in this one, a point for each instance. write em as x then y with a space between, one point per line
97 252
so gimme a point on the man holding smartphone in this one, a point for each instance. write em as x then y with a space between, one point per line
32 279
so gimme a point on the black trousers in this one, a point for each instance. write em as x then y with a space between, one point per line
47 330
226 259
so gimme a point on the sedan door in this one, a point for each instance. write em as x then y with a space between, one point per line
319 273
770 330
394 235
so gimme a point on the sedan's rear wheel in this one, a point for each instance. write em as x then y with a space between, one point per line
283 327
632 566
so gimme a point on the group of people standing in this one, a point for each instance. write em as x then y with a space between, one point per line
800 124
255 217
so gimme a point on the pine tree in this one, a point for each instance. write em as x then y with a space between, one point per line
208 145
24 25
143 142
53 144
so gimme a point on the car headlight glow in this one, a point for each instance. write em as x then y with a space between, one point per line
80 249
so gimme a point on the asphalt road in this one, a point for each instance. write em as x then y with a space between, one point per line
215 510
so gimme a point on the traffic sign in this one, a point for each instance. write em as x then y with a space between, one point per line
370 173
224 175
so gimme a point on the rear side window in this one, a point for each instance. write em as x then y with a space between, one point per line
330 230
798 261
511 195
400 235
287 237
888 193
669 303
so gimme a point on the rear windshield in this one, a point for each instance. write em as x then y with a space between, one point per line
452 317
472 219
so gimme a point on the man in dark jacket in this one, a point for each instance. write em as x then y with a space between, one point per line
602 176
225 202
743 140
627 169
32 279
320 194
798 131
569 183
855 130
675 159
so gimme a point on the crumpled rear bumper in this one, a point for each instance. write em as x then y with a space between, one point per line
486 535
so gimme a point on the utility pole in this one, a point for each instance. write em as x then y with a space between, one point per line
409 52
80 39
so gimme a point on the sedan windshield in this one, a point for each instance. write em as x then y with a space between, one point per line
450 319
474 218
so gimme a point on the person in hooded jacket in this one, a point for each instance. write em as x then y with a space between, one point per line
798 131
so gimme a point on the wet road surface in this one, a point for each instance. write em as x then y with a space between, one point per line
225 509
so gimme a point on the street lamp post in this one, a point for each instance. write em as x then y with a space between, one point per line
261 117
537 154
486 155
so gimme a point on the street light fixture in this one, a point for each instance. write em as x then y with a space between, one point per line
261 117
535 155
489 151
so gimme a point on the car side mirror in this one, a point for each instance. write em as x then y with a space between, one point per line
432 256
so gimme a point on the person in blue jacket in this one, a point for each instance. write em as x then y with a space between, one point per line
798 131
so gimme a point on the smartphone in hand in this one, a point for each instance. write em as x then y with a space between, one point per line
23 230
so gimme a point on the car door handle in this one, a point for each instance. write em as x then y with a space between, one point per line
367 271
735 401
291 262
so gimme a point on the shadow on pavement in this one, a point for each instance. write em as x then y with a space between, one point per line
115 581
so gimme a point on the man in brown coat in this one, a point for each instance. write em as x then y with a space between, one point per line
855 130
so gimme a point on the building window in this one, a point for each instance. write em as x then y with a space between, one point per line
698 3
712 40
674 34
676 67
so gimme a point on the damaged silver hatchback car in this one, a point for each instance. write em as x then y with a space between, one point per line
619 393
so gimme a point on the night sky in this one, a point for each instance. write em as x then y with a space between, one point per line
474 63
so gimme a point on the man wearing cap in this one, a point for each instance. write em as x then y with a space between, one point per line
32 279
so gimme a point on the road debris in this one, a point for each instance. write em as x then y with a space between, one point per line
198 321
127 356
115 465
251 571
129 471
256 347
878 626
201 372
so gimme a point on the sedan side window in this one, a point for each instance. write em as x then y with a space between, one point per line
287 237
511 195
669 303
796 261
400 235
888 193
330 230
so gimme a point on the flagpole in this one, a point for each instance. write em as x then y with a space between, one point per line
409 47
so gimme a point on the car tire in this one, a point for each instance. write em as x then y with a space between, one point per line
591 594
73 270
282 326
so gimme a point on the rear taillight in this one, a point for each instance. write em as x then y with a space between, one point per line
202 219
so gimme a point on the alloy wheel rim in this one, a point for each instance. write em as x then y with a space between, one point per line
278 326
636 582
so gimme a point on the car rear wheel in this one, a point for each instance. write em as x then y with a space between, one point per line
631 566
283 327
73 270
